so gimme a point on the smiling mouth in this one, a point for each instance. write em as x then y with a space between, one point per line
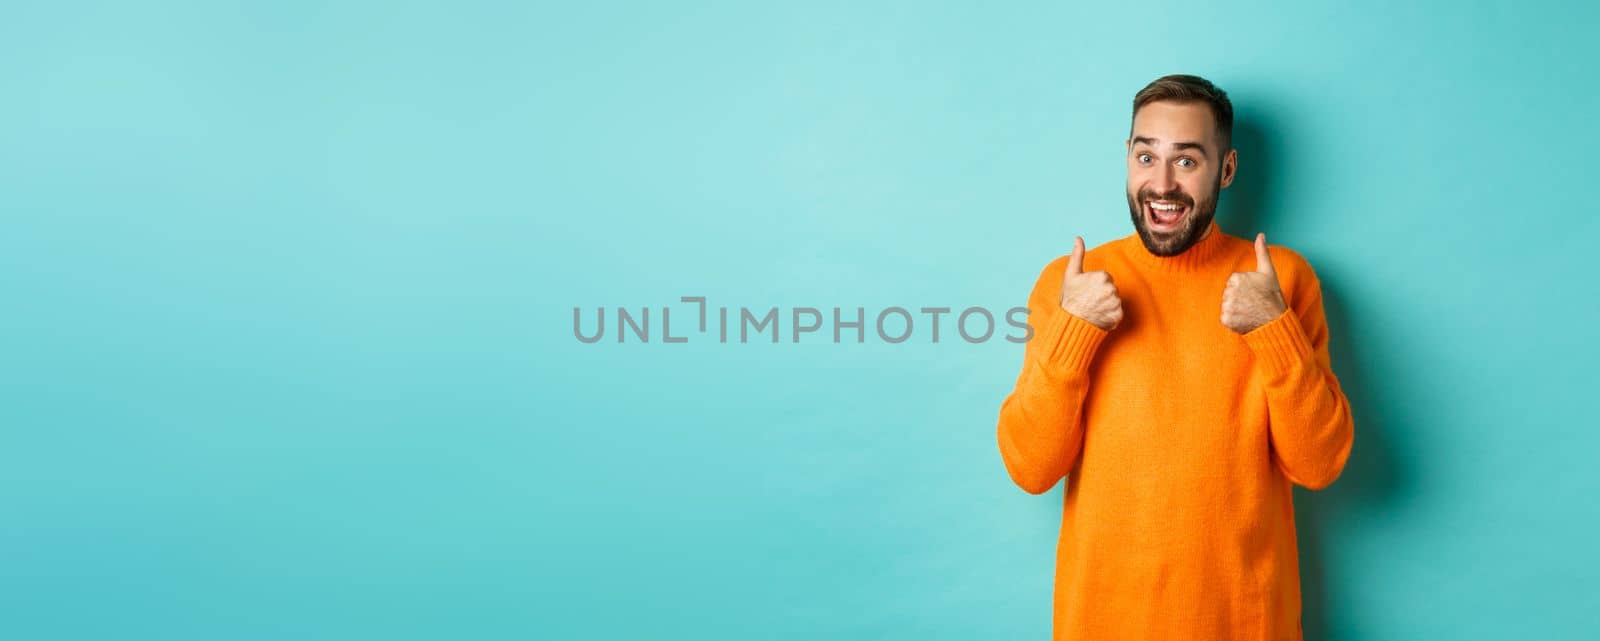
1165 214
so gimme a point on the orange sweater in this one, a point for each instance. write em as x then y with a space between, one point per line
1180 440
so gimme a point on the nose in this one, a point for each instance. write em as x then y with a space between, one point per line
1164 180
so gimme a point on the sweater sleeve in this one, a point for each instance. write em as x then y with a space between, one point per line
1041 426
1310 425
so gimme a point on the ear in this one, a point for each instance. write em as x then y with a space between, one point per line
1230 164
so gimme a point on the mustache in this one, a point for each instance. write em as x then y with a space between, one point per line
1176 195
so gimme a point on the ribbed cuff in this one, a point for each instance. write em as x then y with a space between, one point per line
1281 344
1068 342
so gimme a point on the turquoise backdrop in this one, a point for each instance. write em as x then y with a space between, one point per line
289 288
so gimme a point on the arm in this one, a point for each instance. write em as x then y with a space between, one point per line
1310 426
1041 428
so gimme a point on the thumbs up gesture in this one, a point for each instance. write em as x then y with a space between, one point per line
1253 299
1090 296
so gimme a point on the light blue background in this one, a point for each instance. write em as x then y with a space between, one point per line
288 290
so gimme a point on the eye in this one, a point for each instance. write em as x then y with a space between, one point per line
1144 158
1186 162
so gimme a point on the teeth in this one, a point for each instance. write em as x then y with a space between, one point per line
1166 206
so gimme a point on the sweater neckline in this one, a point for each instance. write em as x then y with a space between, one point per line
1195 258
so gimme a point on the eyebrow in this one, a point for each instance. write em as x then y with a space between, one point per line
1177 145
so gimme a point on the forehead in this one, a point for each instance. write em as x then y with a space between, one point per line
1170 122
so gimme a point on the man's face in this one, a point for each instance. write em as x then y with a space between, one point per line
1176 169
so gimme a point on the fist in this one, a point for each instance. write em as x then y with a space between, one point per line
1092 296
1253 299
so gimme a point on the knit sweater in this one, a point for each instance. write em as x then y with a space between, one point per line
1180 440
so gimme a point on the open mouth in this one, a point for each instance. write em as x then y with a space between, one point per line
1165 215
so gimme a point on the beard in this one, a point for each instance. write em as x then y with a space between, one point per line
1194 223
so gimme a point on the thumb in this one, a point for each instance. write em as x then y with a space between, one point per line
1075 262
1263 259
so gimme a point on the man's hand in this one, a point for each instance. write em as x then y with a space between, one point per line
1091 297
1253 299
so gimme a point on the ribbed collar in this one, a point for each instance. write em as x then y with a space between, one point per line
1195 258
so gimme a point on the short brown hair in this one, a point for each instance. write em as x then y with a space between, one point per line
1187 88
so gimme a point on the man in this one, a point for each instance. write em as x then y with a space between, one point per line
1179 378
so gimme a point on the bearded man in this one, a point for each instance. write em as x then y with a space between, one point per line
1179 379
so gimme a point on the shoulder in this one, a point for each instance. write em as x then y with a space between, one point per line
1094 258
1285 259
1295 272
